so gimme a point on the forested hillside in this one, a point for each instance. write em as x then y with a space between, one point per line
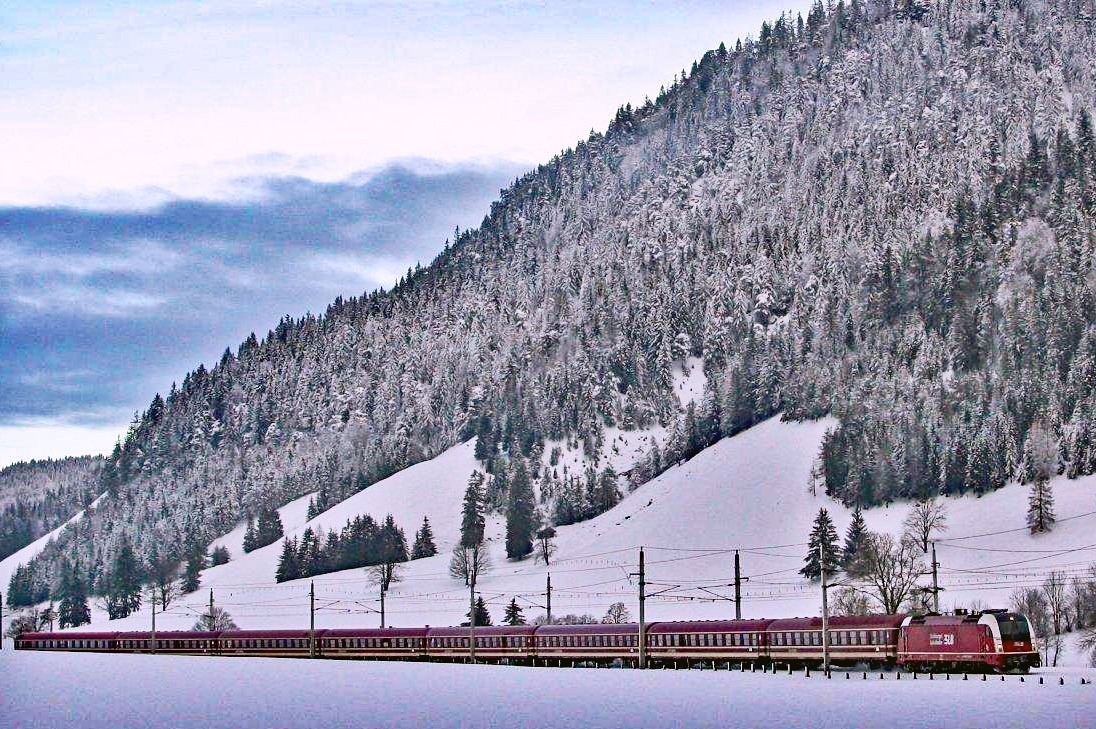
38 496
882 211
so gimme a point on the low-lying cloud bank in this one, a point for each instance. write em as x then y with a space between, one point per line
100 309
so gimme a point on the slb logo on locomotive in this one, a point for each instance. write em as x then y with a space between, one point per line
941 639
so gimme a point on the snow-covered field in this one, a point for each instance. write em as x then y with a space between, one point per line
90 691
748 492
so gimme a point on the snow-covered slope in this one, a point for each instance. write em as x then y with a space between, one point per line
83 691
748 492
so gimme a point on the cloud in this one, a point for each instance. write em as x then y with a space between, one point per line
100 309
39 439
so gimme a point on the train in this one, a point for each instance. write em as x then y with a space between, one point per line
989 641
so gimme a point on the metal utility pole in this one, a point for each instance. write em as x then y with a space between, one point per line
152 646
211 623
382 606
825 614
935 582
737 587
642 614
549 603
472 618
312 619
51 614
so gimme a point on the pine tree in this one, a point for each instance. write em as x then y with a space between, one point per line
521 522
1040 465
424 542
219 556
308 554
483 617
1040 516
823 534
124 584
288 568
855 540
391 552
73 611
514 615
269 528
250 536
473 521
192 572
605 494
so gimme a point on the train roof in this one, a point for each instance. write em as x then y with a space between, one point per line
956 619
710 626
589 629
481 630
840 622
237 634
70 635
170 635
376 632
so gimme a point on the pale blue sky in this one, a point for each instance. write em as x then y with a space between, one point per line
136 127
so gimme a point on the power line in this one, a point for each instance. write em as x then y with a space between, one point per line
1010 531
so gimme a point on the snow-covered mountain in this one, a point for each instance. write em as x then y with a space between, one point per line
881 214
746 492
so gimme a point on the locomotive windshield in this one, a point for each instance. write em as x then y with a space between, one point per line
1014 627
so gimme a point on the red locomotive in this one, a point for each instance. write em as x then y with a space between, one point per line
997 639
990 641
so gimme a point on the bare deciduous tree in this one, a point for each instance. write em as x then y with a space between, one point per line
925 518
384 574
469 562
850 601
1057 599
30 621
545 546
617 614
568 619
891 570
219 620
1032 602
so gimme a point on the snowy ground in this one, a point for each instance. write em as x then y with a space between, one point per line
748 492
91 691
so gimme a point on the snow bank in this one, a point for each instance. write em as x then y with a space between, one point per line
92 691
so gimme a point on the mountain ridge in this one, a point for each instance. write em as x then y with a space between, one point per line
864 215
